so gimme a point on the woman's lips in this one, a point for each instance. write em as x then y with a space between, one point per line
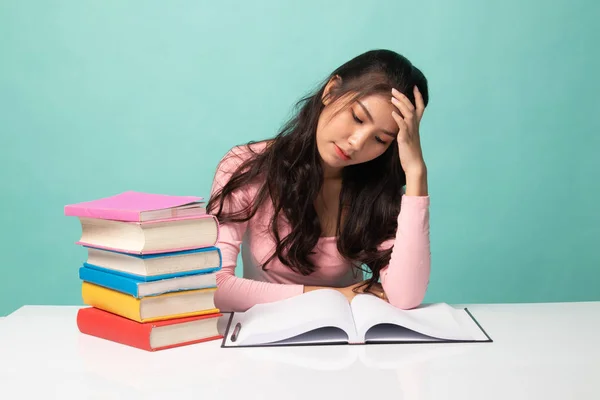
341 153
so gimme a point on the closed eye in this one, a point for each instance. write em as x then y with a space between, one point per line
358 120
379 140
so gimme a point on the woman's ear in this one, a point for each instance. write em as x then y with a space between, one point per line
333 83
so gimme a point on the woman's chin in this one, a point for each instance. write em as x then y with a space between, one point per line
330 160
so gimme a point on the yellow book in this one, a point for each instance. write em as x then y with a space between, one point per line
180 304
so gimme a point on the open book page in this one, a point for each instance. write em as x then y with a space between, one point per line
377 320
319 316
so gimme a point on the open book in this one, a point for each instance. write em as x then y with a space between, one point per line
325 317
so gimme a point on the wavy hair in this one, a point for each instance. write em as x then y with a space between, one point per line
290 174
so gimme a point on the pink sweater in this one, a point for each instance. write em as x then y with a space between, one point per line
404 279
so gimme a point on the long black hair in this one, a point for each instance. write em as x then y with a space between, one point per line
290 174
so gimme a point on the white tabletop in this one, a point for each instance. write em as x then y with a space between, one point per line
540 351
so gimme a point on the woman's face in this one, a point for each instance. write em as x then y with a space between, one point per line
361 132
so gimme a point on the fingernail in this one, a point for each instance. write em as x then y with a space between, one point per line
416 87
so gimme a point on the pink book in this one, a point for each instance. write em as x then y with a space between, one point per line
133 206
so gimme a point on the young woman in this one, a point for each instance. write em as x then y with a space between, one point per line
342 189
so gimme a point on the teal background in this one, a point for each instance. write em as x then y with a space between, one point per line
102 97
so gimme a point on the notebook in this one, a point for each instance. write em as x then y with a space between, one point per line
135 206
325 317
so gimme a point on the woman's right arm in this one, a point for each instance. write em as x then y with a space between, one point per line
234 293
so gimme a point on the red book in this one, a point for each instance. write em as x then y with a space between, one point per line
148 336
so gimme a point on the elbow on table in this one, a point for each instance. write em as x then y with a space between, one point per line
406 302
223 296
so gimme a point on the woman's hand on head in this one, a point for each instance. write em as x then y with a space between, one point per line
409 142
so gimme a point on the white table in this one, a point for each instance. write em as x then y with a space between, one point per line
540 351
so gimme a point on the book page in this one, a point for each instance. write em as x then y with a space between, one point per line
392 333
316 336
283 320
428 322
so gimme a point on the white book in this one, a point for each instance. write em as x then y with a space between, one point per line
156 266
150 237
326 317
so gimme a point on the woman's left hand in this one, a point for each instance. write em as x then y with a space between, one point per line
377 291
409 142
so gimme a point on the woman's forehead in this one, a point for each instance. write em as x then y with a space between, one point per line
379 108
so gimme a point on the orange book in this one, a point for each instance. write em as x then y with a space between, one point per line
186 303
150 336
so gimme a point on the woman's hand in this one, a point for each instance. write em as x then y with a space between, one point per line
409 141
353 290
408 120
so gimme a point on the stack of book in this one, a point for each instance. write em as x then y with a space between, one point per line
150 274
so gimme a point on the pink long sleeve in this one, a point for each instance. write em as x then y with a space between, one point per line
234 293
406 277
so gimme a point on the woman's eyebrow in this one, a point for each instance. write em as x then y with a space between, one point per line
370 117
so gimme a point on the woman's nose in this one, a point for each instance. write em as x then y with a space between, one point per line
357 140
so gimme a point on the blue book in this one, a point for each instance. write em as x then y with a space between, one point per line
154 267
131 284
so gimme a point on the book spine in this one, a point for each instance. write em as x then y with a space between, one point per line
111 214
112 301
111 281
104 325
